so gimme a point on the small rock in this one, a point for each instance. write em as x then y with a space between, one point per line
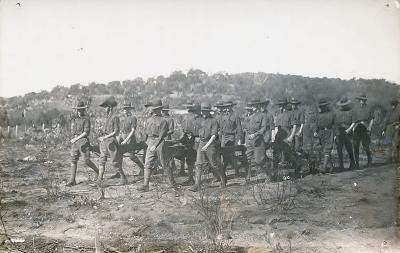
30 158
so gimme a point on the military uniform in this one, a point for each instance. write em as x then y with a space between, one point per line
297 119
361 133
309 128
392 124
82 146
211 156
231 132
325 131
344 119
280 146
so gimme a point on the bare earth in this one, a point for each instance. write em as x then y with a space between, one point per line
344 212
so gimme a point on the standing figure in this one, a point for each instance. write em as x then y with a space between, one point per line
255 145
392 124
108 142
362 130
80 142
270 126
157 131
231 134
171 129
127 138
188 105
345 121
324 132
208 150
190 138
281 137
297 123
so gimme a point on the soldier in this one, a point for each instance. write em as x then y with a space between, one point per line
345 119
208 150
188 105
310 127
255 145
127 138
157 131
170 121
391 132
190 138
362 130
80 142
324 131
269 127
297 123
108 142
281 136
231 134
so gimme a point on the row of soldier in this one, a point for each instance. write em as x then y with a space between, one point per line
208 135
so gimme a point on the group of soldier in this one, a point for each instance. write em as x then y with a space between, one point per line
210 139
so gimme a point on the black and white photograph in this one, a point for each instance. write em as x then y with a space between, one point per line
200 126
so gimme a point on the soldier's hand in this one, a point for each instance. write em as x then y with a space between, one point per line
152 148
315 134
239 143
124 142
204 148
73 141
298 134
101 138
251 136
383 133
347 131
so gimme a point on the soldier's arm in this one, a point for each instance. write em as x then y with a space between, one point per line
116 129
86 131
239 128
133 124
301 123
214 132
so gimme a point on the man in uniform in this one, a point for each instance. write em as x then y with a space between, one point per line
208 150
324 131
127 138
345 122
297 122
190 138
231 134
362 130
269 117
392 124
80 142
157 131
281 136
255 145
171 129
108 142
188 105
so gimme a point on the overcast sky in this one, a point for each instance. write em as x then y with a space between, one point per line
44 43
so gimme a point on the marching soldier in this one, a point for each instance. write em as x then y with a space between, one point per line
108 142
231 134
127 138
190 138
281 136
345 122
80 142
297 123
324 131
255 145
157 131
208 150
391 132
362 130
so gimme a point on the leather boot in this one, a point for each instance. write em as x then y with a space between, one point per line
222 175
197 180
170 176
146 179
72 181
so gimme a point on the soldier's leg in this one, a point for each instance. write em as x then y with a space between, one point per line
85 152
276 154
292 158
151 158
259 158
200 161
190 161
366 142
340 141
164 157
138 162
349 148
356 146
74 164
249 163
103 159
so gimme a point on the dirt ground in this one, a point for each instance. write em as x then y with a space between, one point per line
351 211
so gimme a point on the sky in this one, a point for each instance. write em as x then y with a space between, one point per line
44 43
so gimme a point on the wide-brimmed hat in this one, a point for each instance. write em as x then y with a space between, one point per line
80 105
229 103
109 102
154 104
165 107
362 97
220 104
127 105
282 101
394 101
205 107
188 104
195 107
253 102
344 101
294 101
323 102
